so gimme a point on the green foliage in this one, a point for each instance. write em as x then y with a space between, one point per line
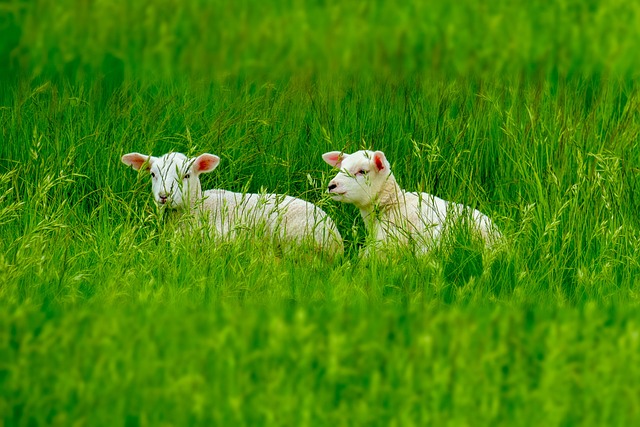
276 39
525 110
146 364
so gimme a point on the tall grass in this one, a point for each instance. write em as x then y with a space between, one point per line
107 317
219 39
148 366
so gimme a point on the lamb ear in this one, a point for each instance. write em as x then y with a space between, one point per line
137 160
205 163
334 158
380 160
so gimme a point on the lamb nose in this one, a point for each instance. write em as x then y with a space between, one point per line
332 186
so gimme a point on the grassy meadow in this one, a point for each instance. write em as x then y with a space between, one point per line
526 110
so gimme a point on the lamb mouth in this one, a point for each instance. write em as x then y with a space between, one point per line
166 204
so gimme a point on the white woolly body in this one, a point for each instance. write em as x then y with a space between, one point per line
393 215
176 185
281 216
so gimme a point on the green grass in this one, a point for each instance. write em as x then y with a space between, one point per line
218 39
527 111
145 364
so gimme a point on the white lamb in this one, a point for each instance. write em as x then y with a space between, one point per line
391 214
176 186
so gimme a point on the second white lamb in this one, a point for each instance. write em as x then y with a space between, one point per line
394 217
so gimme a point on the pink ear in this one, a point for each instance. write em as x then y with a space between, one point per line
334 158
379 160
136 160
205 163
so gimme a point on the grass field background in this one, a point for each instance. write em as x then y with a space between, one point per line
525 110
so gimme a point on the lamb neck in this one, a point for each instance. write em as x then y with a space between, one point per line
388 199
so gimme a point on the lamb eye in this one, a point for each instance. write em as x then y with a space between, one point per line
187 176
362 172
153 175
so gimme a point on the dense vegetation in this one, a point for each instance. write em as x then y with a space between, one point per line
527 110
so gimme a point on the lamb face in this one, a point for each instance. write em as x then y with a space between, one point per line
173 182
175 178
361 177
